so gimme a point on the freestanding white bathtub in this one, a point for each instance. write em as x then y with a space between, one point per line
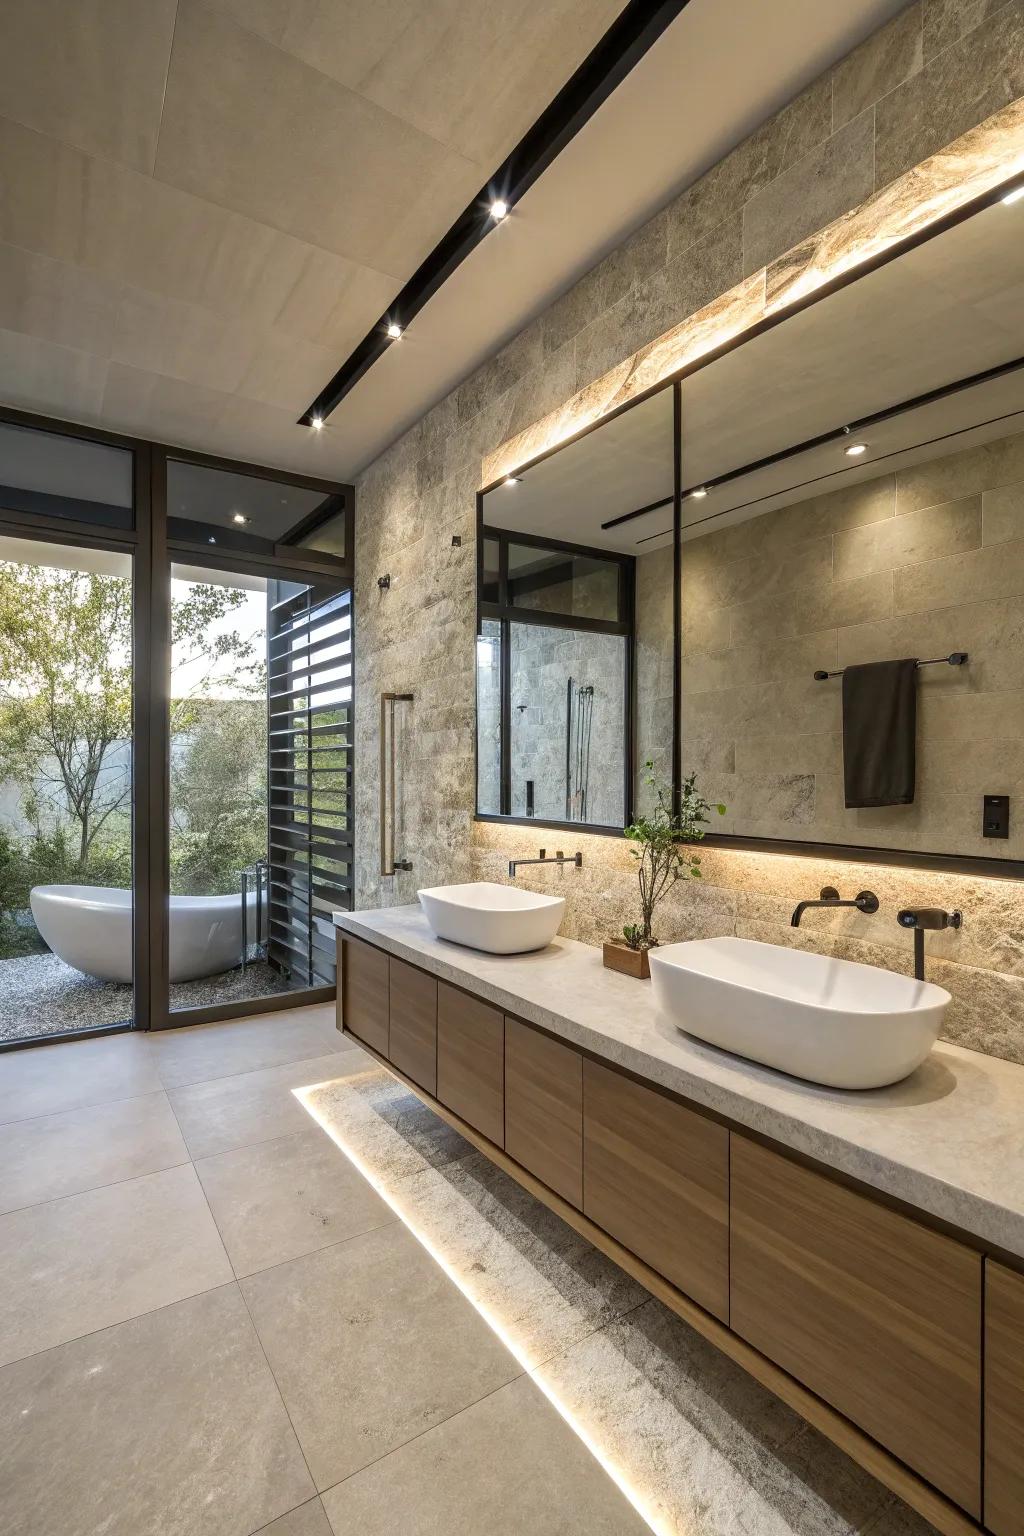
90 927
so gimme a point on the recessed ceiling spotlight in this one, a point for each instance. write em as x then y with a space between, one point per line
239 517
855 450
498 209
1014 196
317 423
211 539
394 330
513 480
699 493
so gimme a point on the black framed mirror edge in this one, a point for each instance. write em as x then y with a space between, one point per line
976 865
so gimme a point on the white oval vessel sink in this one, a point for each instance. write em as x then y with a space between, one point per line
830 1021
500 919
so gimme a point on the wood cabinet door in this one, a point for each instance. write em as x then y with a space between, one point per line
364 993
656 1177
1004 1400
471 1061
544 1109
877 1314
412 1041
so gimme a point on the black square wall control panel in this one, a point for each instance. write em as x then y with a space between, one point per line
995 821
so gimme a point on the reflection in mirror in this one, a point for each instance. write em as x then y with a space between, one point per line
853 494
574 651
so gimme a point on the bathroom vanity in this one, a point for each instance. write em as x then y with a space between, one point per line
861 1254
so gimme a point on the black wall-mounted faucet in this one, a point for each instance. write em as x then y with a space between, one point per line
864 901
920 918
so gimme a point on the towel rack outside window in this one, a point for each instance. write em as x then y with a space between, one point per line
954 659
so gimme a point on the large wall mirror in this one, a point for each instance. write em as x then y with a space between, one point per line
851 495
574 648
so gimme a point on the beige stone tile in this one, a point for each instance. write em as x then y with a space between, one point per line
56 301
828 182
599 290
1002 514
44 376
199 1052
308 1520
829 605
277 131
71 1266
543 1480
947 21
54 1155
967 473
370 1344
987 630
52 1078
170 1423
958 87
929 534
256 1106
995 571
887 58
736 581
280 1199
92 74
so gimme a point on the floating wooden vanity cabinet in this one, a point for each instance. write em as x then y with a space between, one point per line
471 1061
1004 1400
544 1109
413 1029
877 1314
656 1177
363 992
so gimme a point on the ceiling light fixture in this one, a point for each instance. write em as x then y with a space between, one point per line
855 450
317 423
1014 196
699 493
239 517
513 480
394 330
498 209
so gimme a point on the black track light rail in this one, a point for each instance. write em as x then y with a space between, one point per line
632 33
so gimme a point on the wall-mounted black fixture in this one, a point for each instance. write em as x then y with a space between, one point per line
529 797
456 541
638 25
560 859
828 896
995 819
920 918
384 583
954 659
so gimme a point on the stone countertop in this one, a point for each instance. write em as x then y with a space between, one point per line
949 1139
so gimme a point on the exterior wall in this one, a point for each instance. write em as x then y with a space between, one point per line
924 80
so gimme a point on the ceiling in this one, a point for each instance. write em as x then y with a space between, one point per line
205 204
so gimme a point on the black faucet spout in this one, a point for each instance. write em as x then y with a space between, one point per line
864 901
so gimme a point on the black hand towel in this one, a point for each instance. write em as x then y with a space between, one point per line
879 732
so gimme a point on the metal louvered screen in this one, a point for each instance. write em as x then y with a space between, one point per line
309 699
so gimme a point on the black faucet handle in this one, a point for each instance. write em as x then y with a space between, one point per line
866 901
928 917
828 893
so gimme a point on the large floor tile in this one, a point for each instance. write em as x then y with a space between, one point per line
199 1052
168 1425
509 1465
71 1266
256 1106
308 1520
371 1345
280 1199
55 1155
73 1073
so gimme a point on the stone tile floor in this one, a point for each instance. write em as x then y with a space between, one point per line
252 1285
40 995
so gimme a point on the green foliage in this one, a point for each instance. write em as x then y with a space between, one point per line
219 796
661 842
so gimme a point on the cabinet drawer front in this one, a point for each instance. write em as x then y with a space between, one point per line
1004 1400
412 1044
544 1109
878 1315
364 984
471 1061
656 1177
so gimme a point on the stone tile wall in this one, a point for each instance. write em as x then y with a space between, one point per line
922 82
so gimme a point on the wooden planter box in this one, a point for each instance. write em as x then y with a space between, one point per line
631 962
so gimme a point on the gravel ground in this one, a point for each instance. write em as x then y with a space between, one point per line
40 995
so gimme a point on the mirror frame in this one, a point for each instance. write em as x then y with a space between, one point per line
949 863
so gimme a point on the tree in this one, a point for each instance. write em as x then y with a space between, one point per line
660 844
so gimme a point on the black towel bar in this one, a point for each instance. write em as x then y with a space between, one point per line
954 659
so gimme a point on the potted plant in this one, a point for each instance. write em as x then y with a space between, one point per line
660 844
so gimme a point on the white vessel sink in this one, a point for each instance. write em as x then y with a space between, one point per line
500 919
830 1021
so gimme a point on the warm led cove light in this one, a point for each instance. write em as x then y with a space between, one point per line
317 423
499 208
394 330
855 450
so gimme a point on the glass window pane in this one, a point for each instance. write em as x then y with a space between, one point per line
568 724
552 581
488 718
53 475
249 513
490 591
